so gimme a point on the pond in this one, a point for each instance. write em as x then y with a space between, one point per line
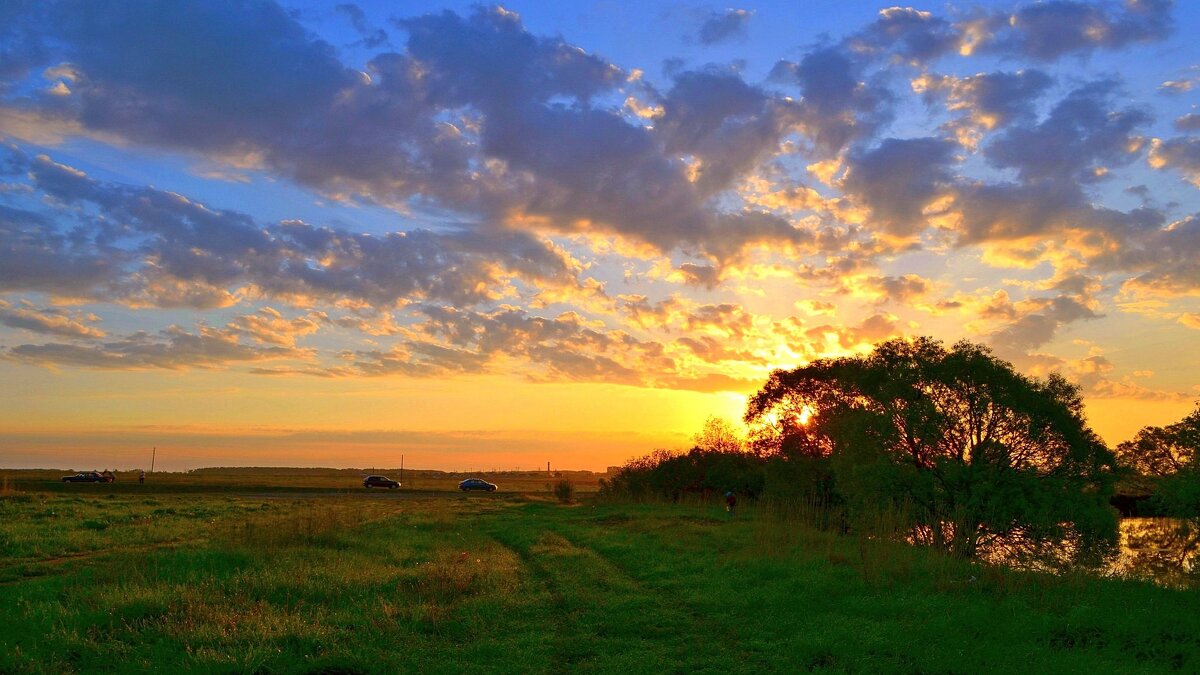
1163 550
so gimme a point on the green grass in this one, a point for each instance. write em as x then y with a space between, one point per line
439 583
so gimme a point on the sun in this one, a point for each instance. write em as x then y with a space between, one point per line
806 414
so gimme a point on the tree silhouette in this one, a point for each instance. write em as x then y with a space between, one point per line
975 451
1172 455
1163 451
719 435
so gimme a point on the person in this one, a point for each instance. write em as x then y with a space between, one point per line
142 476
730 503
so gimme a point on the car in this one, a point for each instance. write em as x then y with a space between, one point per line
476 484
380 481
86 477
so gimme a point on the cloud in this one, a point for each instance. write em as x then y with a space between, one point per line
1164 261
900 178
561 348
146 246
986 101
1180 154
909 34
36 256
728 125
371 36
904 290
1183 85
677 314
1036 321
1078 141
1174 87
268 326
713 350
724 26
838 107
1188 122
1190 319
49 320
173 348
1046 31
839 340
705 276
209 76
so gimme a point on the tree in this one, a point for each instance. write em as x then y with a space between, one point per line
719 435
1163 451
1172 455
980 456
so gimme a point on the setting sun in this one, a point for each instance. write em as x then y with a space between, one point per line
806 414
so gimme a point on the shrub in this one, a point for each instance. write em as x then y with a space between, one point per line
564 490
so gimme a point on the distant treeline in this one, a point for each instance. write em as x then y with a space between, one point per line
320 471
952 446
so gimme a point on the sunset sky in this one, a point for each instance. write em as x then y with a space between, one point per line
327 234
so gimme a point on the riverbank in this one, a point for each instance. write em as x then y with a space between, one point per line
522 584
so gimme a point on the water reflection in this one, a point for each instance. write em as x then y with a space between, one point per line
1164 550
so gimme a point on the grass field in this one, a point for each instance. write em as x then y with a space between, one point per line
234 581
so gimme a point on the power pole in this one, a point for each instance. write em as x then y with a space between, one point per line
153 454
401 469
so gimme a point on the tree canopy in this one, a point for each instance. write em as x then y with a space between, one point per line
1163 451
1171 454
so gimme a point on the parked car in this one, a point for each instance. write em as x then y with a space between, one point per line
86 477
476 484
380 481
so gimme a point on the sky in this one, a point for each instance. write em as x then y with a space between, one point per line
487 237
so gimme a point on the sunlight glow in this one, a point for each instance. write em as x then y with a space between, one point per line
805 415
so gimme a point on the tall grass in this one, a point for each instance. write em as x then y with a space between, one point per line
312 524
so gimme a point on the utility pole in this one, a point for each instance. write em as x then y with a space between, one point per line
548 469
153 454
401 469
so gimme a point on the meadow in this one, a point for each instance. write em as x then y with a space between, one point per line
228 579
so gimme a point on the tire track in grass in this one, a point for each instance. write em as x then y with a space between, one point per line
558 614
712 647
604 619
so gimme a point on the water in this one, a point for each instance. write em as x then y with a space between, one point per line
1163 550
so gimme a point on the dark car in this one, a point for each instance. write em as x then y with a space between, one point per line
380 481
476 484
85 477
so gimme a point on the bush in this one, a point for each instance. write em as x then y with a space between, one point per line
699 471
564 490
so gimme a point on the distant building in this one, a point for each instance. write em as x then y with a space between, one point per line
613 469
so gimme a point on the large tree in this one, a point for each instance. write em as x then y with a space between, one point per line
979 456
